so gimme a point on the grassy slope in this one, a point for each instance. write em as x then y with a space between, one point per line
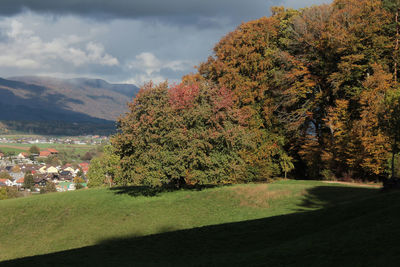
319 224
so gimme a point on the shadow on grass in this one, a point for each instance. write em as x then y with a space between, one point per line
136 191
342 235
327 196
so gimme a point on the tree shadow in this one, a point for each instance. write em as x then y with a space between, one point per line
328 196
148 191
338 235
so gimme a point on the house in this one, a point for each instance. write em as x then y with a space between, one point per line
43 169
40 181
44 154
22 155
1 155
29 168
19 182
66 175
85 167
52 170
6 182
52 151
17 175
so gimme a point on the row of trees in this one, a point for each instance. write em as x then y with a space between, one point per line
316 89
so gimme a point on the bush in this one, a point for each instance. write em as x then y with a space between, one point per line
50 187
8 192
78 186
328 175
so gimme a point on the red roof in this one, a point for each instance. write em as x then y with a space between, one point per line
24 154
52 150
21 180
44 153
1 155
3 180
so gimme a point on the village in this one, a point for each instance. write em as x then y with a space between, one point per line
77 140
42 171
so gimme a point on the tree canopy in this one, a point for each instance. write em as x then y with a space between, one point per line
310 92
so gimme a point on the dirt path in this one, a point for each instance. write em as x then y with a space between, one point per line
354 184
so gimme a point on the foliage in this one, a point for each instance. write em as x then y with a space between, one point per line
5 175
50 187
310 91
189 134
16 169
87 156
8 192
104 169
28 181
34 149
78 186
52 160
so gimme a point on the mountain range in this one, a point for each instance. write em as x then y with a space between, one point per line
33 98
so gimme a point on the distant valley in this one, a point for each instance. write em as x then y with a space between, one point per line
43 100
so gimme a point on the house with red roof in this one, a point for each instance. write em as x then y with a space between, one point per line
48 152
44 154
84 166
6 182
19 182
52 151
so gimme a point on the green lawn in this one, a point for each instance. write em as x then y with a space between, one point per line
73 152
11 150
299 223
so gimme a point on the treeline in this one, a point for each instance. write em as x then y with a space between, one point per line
58 128
313 92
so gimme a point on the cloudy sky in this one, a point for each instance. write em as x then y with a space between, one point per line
118 40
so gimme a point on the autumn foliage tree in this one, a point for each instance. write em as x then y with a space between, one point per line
313 92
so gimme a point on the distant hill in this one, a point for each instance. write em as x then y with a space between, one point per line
75 98
46 100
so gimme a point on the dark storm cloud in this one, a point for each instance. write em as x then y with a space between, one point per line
140 8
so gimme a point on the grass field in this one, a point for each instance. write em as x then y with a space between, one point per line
72 152
298 223
7 148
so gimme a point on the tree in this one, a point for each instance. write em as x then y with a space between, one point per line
34 150
87 157
50 187
5 175
16 169
390 123
104 170
286 164
28 181
189 134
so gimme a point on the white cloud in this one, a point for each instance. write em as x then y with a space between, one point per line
141 79
23 48
147 66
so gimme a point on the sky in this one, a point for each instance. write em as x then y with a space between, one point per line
121 41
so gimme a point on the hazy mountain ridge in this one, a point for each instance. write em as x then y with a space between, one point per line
71 100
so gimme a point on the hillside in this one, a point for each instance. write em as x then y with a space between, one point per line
66 100
287 223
